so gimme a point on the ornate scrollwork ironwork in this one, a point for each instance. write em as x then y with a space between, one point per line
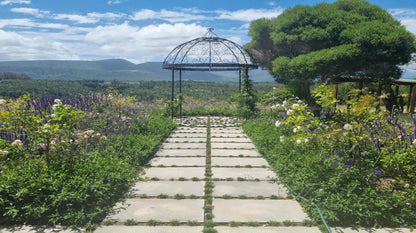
209 53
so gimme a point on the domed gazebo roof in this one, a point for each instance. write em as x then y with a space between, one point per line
208 53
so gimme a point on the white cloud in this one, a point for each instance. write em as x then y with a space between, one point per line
92 17
89 18
248 15
10 2
31 11
76 18
114 2
14 46
406 16
410 24
167 15
99 35
271 3
149 43
400 12
30 24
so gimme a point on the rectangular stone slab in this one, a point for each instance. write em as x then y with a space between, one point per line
246 173
370 230
175 172
187 140
249 189
185 135
257 210
229 139
191 130
184 145
165 210
227 130
181 152
223 135
154 188
178 161
237 145
149 229
232 152
268 230
234 161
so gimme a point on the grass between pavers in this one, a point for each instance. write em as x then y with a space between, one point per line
259 197
209 186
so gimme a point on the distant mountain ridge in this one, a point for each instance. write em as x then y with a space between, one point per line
118 69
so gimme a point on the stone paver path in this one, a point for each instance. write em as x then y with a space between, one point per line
208 177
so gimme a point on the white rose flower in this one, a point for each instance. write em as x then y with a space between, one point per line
278 123
282 138
17 143
348 127
298 141
3 152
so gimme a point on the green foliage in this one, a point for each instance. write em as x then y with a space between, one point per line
175 223
278 95
131 222
346 38
253 224
246 100
357 165
68 161
235 224
153 222
13 76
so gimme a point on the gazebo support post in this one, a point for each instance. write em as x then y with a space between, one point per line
409 98
173 93
413 99
180 92
239 80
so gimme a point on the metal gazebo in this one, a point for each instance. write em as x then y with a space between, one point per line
208 53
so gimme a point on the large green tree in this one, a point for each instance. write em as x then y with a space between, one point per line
348 38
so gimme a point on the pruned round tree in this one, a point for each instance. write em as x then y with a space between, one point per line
348 38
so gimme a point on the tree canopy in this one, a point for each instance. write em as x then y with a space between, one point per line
348 38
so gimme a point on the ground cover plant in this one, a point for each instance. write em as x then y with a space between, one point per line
356 163
67 161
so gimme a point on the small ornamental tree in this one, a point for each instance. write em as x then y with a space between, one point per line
348 38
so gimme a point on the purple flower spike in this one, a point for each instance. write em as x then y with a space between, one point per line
377 172
347 166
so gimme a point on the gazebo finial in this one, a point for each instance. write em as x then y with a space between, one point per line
210 33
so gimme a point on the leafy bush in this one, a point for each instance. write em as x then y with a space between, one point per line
356 165
67 161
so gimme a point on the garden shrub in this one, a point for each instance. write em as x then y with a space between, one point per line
356 164
67 161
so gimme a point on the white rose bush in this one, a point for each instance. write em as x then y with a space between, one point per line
342 158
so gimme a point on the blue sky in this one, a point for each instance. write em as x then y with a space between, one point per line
136 30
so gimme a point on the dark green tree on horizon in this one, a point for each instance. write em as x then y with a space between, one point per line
348 38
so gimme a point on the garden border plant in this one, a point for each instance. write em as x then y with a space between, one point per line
69 160
355 163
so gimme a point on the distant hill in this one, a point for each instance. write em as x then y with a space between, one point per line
118 69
